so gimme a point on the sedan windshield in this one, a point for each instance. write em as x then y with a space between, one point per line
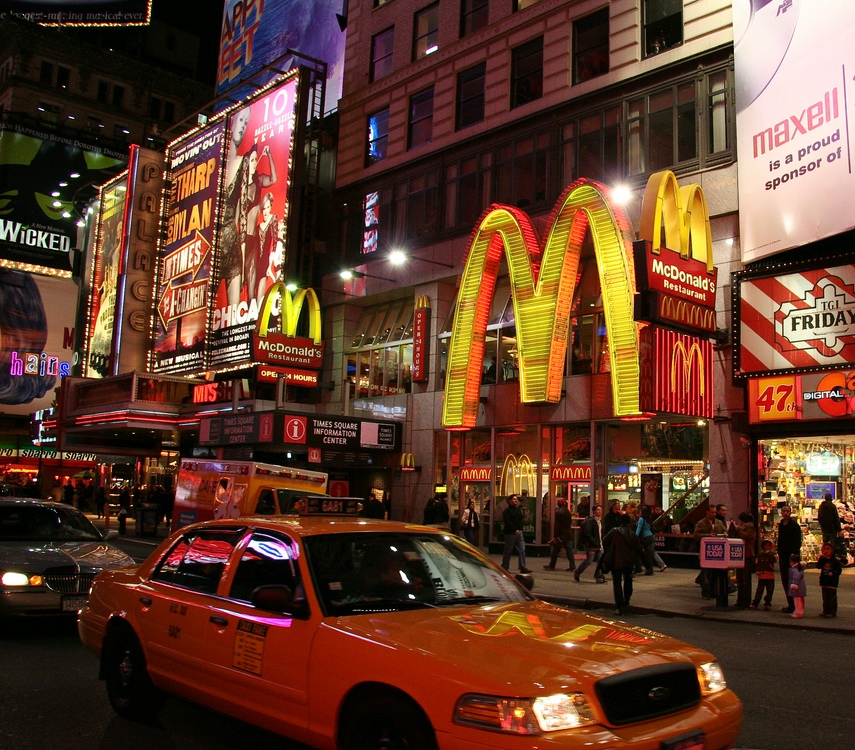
369 572
40 523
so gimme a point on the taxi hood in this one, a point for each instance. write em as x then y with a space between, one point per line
534 645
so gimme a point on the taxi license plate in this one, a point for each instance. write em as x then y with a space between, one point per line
73 603
691 741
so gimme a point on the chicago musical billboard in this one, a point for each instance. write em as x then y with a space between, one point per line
253 218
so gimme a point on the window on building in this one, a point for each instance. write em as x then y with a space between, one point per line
527 72
121 132
467 190
663 25
662 129
474 15
161 109
591 147
470 96
378 137
110 93
49 114
522 171
421 118
380 359
591 46
523 4
63 76
717 127
426 31
381 53
46 73
418 206
5 70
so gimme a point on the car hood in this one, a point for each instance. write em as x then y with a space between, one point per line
37 556
533 646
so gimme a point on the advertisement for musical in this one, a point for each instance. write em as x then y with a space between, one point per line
186 267
82 12
256 33
36 338
803 320
106 278
35 226
253 219
793 67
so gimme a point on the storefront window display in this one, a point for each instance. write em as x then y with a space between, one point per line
799 472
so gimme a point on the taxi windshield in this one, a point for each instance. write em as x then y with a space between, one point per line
392 571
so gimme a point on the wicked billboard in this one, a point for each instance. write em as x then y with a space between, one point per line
36 226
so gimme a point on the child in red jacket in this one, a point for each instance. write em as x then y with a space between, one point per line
765 567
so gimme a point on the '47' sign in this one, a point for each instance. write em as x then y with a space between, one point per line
815 396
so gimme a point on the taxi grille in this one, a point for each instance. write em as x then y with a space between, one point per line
647 693
68 580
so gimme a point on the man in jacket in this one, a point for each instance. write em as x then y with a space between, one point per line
592 536
563 538
789 543
626 549
829 520
512 520
710 525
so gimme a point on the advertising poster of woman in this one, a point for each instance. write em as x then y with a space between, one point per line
254 212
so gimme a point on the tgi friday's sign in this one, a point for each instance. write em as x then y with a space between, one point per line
801 321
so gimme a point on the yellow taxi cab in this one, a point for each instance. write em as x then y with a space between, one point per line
343 632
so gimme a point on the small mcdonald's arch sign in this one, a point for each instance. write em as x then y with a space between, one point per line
408 462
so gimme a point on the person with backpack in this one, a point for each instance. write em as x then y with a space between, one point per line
622 548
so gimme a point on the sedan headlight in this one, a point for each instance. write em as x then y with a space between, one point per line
711 677
549 713
11 578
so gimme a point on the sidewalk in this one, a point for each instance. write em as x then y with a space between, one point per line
673 592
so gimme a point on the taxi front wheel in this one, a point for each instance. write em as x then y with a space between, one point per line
387 723
129 687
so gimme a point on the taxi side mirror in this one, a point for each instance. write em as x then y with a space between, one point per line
279 598
526 580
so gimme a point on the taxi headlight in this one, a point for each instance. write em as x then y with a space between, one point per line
549 713
11 578
712 679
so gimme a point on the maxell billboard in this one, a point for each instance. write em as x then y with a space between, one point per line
794 61
185 269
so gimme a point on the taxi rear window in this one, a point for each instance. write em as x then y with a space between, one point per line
197 560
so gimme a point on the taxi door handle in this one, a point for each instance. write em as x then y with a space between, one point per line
217 620
145 601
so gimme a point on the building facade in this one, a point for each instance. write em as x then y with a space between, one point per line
451 107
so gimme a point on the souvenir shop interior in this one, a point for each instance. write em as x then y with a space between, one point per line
799 472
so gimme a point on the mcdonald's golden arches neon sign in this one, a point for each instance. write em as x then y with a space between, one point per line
284 346
543 292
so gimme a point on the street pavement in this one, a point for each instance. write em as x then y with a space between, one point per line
672 592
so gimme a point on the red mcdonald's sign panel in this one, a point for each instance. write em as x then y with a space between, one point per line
676 373
581 474
476 474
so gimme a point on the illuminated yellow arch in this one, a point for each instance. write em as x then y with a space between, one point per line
542 298
291 308
683 214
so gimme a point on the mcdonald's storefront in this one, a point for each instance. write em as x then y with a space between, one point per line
610 390
796 357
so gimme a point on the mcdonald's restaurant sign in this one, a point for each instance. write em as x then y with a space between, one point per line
421 339
408 462
284 347
475 474
676 373
543 280
578 474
